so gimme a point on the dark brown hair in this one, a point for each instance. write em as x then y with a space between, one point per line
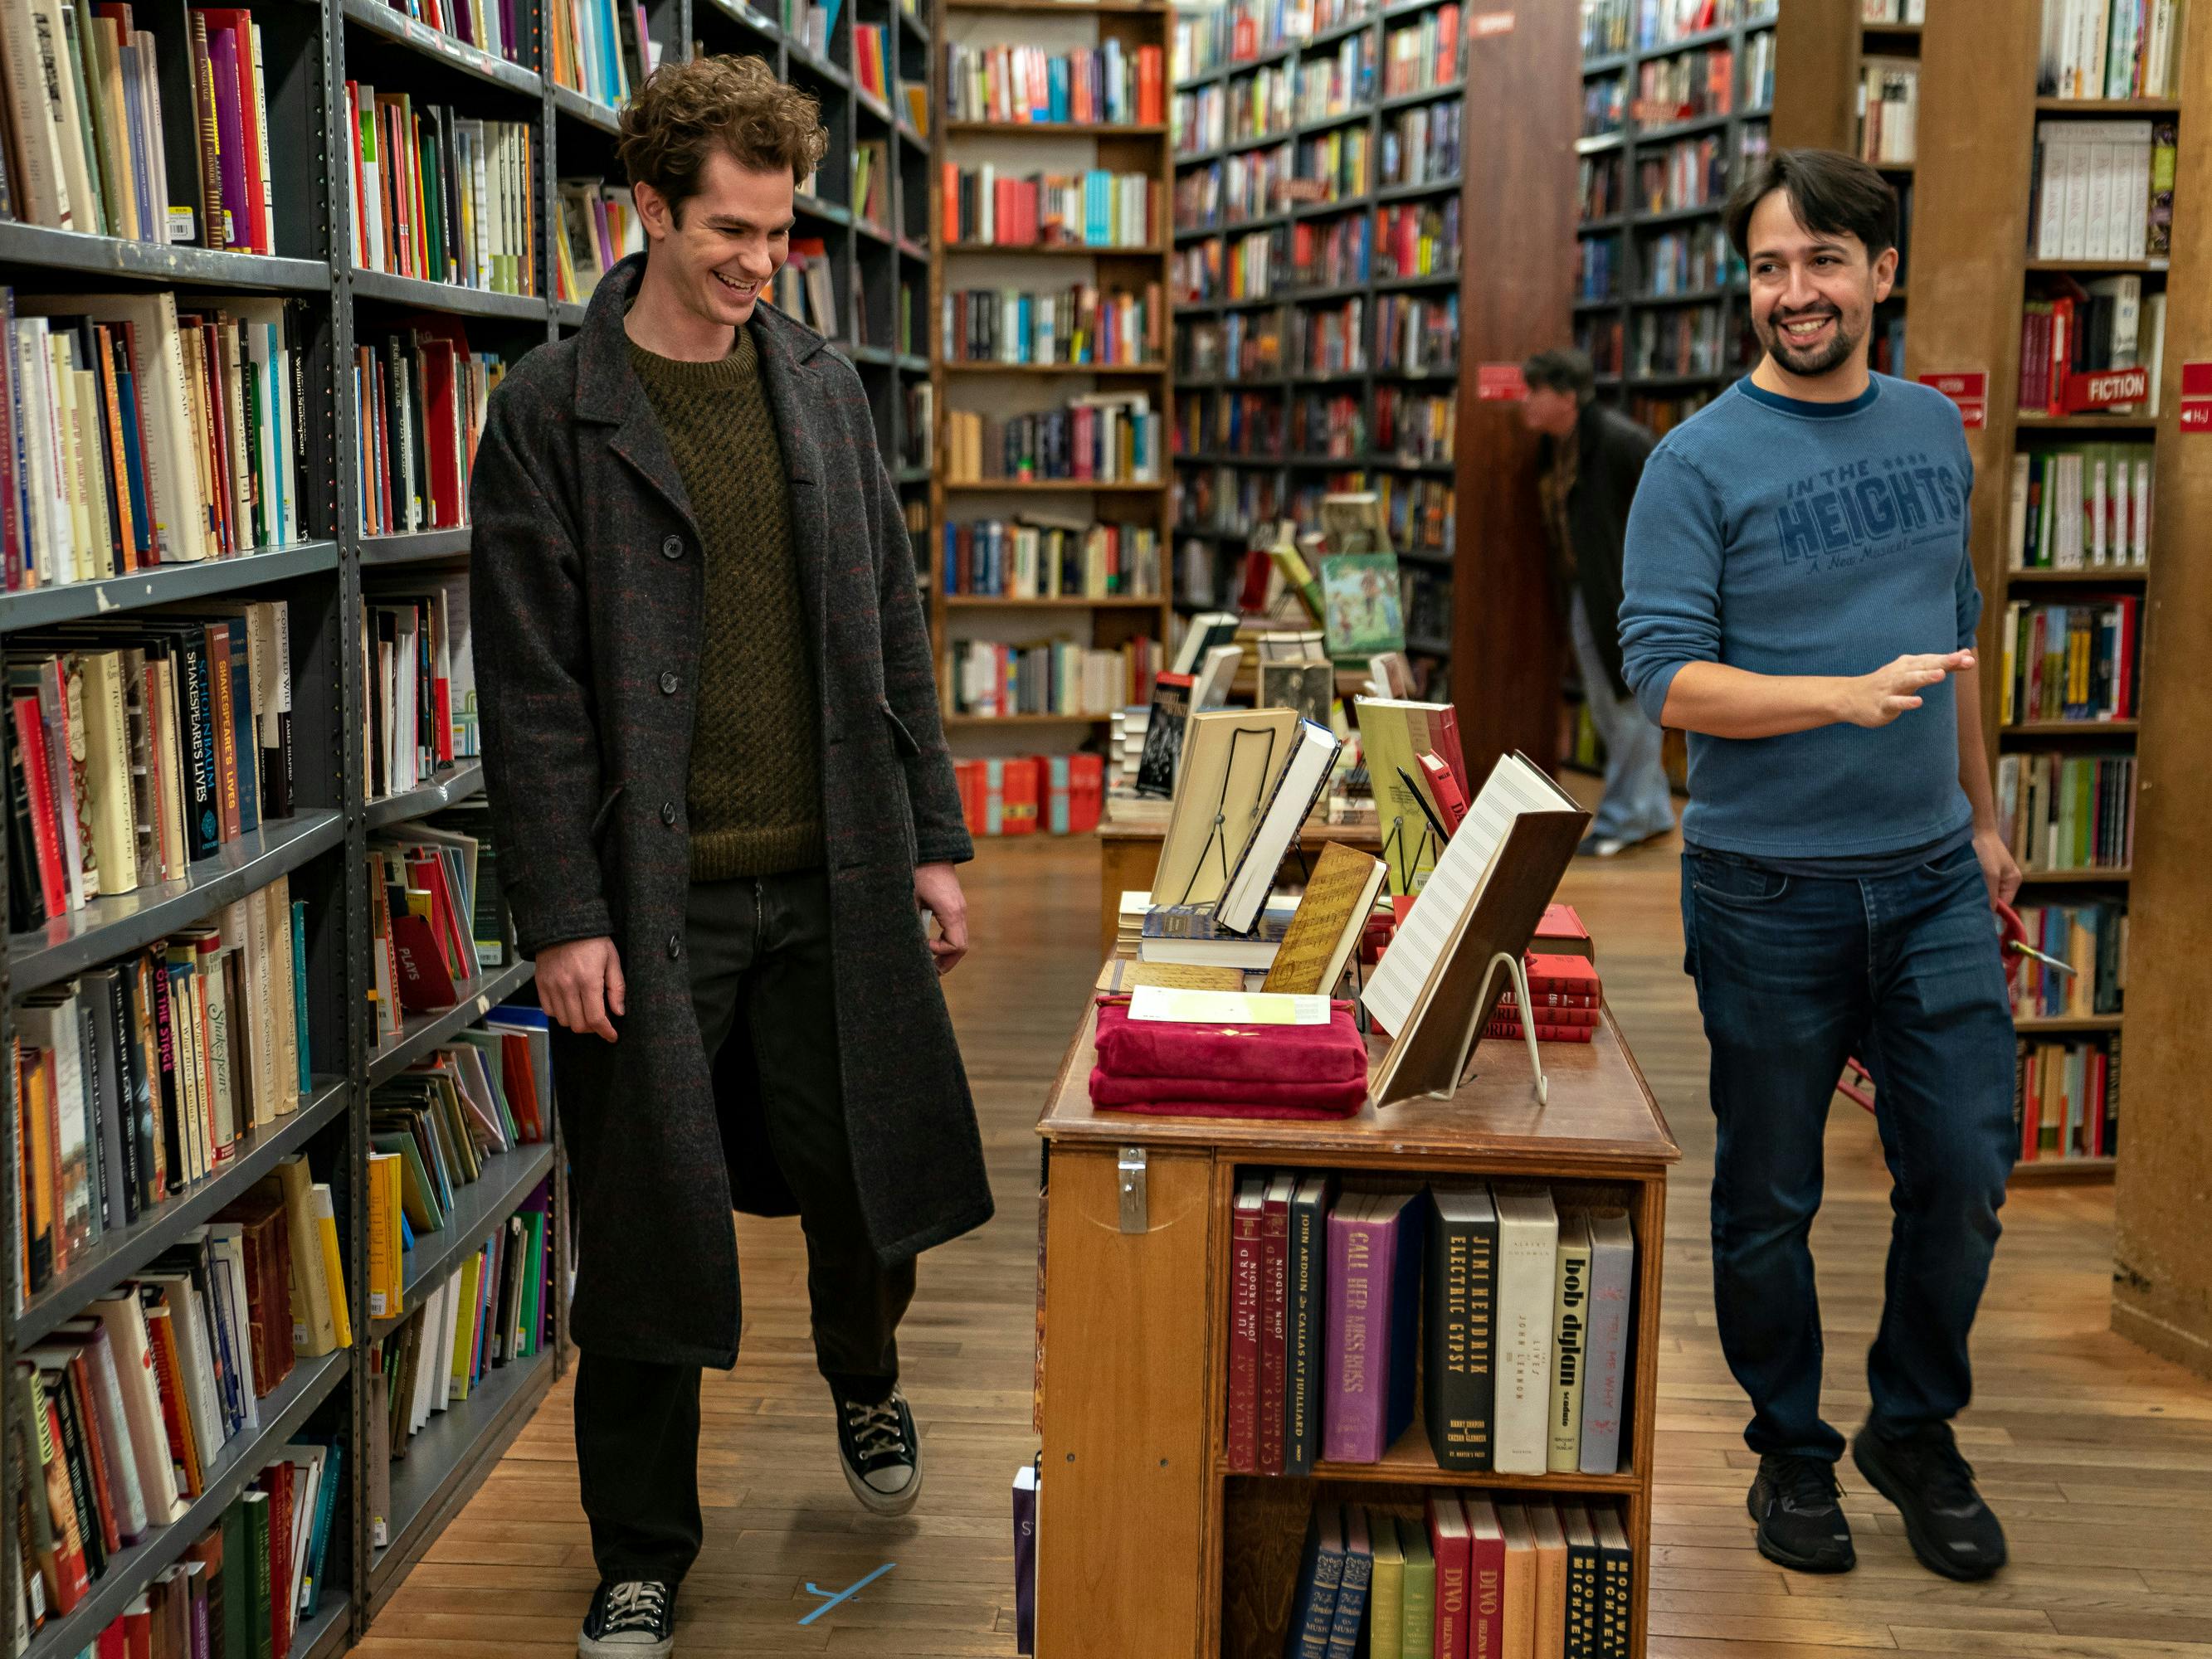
687 111
1563 369
1833 194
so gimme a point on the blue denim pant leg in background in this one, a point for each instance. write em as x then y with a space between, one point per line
1794 973
1636 802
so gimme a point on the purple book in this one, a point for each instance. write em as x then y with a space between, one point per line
230 135
1025 1498
1374 1294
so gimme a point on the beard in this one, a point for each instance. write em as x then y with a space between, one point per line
1815 361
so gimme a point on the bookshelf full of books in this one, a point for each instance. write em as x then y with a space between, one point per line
1317 278
1049 345
1677 101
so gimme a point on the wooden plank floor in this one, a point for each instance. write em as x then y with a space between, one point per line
2098 1457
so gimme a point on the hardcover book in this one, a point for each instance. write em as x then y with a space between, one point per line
1230 760
1326 927
1421 1622
1459 1368
1351 1592
1386 1589
1615 1574
1528 1241
1450 1542
1274 1276
1550 1542
1604 1345
1582 1582
1570 1329
1517 1601
1361 611
1156 770
1307 1289
1321 1573
1485 1580
1244 1298
1374 1286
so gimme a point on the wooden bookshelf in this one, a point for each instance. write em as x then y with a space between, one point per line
1659 386
1146 1543
997 390
881 283
1254 486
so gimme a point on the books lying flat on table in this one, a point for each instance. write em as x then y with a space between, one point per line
1567 995
1521 1305
1463 1575
140 1077
1191 935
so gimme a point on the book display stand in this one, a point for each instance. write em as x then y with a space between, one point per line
1147 1543
310 51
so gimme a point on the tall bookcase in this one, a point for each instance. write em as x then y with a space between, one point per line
881 274
1302 346
997 390
1659 295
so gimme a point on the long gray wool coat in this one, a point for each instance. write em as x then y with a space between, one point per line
585 597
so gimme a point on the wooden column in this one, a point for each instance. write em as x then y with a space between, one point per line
1816 57
2161 1268
1518 224
1970 255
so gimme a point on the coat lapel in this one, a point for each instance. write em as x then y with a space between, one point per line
608 392
794 400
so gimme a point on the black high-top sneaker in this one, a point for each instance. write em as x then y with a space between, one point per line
881 1454
634 1619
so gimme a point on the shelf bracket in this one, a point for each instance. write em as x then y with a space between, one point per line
1132 1167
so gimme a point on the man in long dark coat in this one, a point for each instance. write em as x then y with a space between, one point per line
723 807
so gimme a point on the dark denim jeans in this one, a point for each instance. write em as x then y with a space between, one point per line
1793 974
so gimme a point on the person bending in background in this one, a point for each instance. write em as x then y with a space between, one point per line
1800 598
1589 459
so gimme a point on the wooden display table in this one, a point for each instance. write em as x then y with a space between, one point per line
1129 851
1146 1544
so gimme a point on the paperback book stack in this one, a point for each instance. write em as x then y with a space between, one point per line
149 428
433 1128
1567 995
1505 1313
441 196
145 1075
493 1311
140 749
1466 1576
128 1408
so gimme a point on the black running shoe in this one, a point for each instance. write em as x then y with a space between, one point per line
634 1619
1951 1528
881 1454
1801 1523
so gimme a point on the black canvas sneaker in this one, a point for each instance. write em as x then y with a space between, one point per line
881 1454
1951 1529
1801 1523
634 1619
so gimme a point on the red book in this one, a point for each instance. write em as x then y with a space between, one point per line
1244 1278
1510 1029
1274 1316
1485 1580
425 984
1554 1000
113 1643
1451 1542
276 1481
1562 975
1018 793
31 742
519 1074
1561 933
1546 1015
1086 791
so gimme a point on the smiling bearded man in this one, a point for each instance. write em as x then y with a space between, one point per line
1800 598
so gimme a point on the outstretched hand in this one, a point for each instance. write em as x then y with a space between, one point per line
1894 689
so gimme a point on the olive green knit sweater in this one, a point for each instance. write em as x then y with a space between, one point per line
754 792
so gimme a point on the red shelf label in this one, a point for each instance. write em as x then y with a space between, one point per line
1499 383
2102 388
2196 397
1969 388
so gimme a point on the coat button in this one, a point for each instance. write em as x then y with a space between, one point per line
675 945
668 683
668 812
673 548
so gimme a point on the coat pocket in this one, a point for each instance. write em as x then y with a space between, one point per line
902 740
605 815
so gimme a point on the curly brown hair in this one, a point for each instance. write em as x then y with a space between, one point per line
687 111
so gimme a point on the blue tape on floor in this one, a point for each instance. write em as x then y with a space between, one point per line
843 1594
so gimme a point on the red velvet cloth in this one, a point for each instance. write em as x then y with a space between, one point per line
1229 1069
1335 1052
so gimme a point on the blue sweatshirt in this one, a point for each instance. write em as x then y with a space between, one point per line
1791 538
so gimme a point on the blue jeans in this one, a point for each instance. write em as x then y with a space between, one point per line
1636 802
1794 973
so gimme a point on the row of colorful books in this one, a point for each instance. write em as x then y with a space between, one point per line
2092 49
88 136
440 195
146 431
141 1076
1465 1577
142 747
495 1309
806 287
1093 209
601 48
2092 940
2070 662
416 661
984 678
2066 1099
1105 85
1032 794
1035 558
420 400
1103 438
2082 507
127 1408
1506 1311
486 25
434 914
2077 338
1080 324
2061 811
432 1128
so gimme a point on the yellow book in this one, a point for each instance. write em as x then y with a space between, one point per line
314 1330
1330 918
326 1230
1124 974
383 1235
465 1323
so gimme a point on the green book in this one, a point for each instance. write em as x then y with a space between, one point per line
259 1634
1420 1593
1386 1591
532 1277
230 1592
